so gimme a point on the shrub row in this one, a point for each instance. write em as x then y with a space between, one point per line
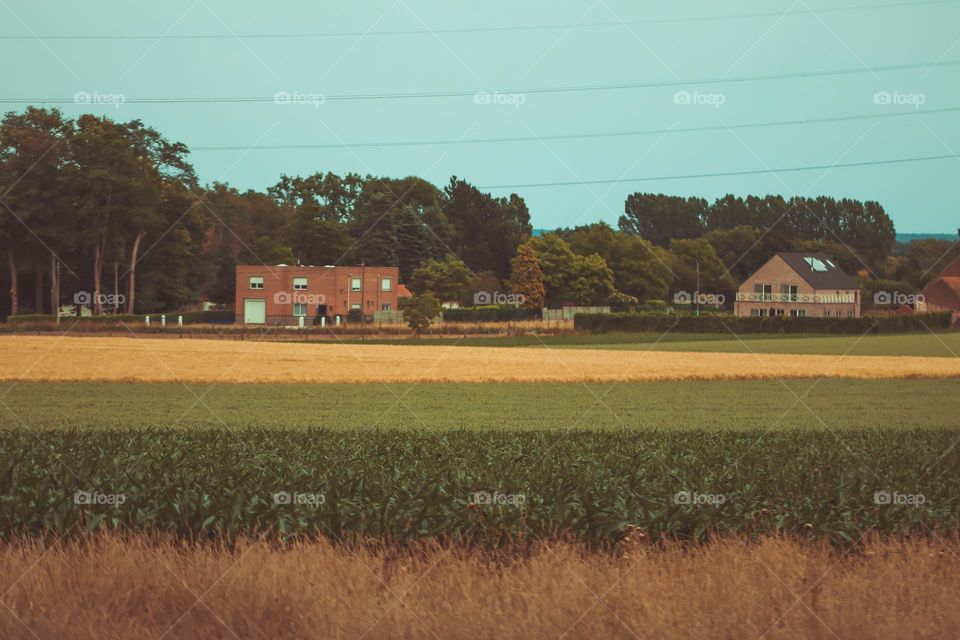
491 313
662 323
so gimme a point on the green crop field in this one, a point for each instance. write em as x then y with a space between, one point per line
718 405
400 462
944 344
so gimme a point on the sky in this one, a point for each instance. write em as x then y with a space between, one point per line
700 65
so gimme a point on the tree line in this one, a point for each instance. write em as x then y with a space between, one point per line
115 210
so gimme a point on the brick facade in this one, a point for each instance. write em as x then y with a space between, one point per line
268 294
804 299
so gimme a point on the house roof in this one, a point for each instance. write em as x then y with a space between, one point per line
944 291
403 292
952 269
819 270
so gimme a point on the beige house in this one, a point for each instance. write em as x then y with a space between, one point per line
798 285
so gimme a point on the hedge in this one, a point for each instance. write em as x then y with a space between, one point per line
660 323
493 313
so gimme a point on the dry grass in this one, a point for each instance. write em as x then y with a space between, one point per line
778 589
43 358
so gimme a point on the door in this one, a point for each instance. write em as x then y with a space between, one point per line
254 311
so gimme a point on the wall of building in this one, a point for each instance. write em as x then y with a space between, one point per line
777 272
330 286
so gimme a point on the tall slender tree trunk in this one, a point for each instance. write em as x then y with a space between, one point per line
38 288
131 287
54 286
14 297
116 287
96 306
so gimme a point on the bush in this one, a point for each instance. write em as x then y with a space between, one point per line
489 313
46 318
225 316
714 323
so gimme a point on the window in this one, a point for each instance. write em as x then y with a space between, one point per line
758 313
826 313
798 313
386 284
385 306
763 291
299 309
816 264
776 312
355 305
299 284
790 292
355 285
849 313
256 282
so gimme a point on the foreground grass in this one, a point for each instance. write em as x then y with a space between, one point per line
109 587
756 405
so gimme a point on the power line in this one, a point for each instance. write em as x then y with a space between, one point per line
466 30
572 136
285 97
721 174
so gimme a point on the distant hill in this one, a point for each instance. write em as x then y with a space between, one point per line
903 238
910 237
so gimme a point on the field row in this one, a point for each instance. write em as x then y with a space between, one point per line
123 588
488 488
35 358
753 405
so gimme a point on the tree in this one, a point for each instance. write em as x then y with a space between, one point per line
526 278
419 312
640 268
660 218
569 278
485 230
447 279
32 149
692 255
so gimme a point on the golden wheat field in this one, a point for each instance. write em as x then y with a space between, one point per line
42 358
106 587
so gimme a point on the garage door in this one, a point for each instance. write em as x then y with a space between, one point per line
254 311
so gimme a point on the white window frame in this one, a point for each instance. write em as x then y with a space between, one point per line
356 284
300 284
306 309
386 284
355 305
255 282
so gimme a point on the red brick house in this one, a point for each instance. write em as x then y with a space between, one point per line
797 285
943 292
282 294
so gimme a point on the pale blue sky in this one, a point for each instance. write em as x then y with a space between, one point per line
919 196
